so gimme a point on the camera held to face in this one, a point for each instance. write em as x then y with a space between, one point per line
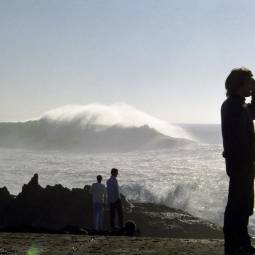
251 84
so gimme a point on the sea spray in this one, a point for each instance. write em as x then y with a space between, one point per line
192 178
119 114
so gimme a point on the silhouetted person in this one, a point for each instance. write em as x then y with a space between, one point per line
114 199
98 192
238 142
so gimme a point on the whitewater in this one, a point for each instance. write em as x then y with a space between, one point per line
191 178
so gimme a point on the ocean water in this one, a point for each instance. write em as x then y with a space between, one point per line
191 178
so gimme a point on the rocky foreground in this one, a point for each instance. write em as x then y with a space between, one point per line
49 244
59 210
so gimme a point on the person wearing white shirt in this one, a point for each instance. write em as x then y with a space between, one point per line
114 199
98 192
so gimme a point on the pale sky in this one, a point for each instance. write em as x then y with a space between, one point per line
167 58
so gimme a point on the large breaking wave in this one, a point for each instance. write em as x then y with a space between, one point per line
94 128
118 114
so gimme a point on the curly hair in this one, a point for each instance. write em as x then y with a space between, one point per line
236 80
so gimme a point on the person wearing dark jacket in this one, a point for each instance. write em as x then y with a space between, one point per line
238 143
114 199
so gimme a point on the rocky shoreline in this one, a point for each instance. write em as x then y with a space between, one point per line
59 210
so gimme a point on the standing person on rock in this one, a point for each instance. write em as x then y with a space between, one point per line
114 199
238 142
98 192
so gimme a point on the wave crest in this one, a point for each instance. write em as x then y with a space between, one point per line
118 114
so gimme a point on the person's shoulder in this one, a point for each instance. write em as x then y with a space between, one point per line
225 102
231 105
111 181
224 106
228 102
92 188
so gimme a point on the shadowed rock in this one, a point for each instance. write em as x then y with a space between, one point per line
56 209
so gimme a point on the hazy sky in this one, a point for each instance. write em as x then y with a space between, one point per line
168 58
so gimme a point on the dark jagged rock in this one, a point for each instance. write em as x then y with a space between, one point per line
56 209
5 200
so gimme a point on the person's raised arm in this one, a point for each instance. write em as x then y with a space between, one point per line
251 106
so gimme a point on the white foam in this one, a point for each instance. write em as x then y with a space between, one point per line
119 114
